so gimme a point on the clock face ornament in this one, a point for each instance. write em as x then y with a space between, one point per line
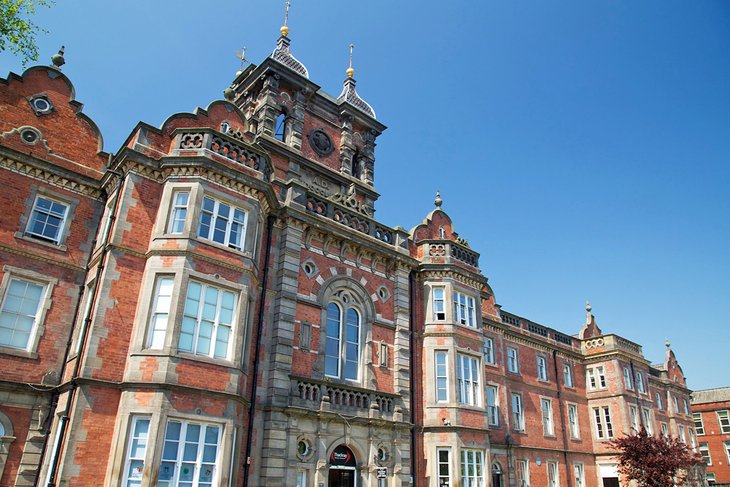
320 142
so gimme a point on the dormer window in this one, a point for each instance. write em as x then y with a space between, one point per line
225 127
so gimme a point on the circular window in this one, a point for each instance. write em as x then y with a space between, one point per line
308 268
29 136
303 448
41 105
382 455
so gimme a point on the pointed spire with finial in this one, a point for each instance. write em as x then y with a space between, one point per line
242 56
57 59
668 344
283 54
438 201
590 329
349 93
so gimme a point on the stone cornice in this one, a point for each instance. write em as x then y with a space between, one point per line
48 173
42 258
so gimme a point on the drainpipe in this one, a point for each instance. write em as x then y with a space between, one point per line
562 418
259 332
411 339
73 384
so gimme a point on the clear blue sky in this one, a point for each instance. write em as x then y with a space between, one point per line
583 147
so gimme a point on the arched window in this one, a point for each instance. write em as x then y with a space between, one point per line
342 348
280 126
6 438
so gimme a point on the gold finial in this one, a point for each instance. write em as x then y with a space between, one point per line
350 72
285 28
242 56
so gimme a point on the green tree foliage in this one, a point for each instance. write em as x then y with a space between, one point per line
655 461
17 31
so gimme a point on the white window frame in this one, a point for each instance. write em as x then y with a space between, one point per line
573 421
659 404
344 302
472 468
218 326
548 425
513 360
468 379
705 453
159 320
634 418
665 429
553 474
579 475
493 405
596 378
542 368
137 459
692 438
11 275
726 447
568 375
179 211
441 375
646 412
522 473
676 403
699 423
685 406
440 463
439 303
628 383
640 383
301 478
59 237
464 309
181 450
489 356
602 422
682 434
518 413
723 419
215 216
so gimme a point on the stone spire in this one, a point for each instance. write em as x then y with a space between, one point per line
590 329
349 93
282 53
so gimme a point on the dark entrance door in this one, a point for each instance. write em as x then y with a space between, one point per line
341 478
610 482
496 480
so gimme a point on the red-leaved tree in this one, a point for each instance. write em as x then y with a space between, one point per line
655 461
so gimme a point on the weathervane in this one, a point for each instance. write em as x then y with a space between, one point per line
285 28
350 71
242 56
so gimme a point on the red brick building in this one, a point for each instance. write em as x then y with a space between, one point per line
216 305
711 414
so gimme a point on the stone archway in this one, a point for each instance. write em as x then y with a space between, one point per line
342 468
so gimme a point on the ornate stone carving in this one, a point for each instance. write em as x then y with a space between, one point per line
320 142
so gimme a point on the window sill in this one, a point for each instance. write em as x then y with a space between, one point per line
40 241
186 356
17 352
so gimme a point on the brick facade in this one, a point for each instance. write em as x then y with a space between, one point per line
218 305
711 414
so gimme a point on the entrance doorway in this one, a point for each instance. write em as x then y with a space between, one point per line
339 477
610 482
343 468
497 475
